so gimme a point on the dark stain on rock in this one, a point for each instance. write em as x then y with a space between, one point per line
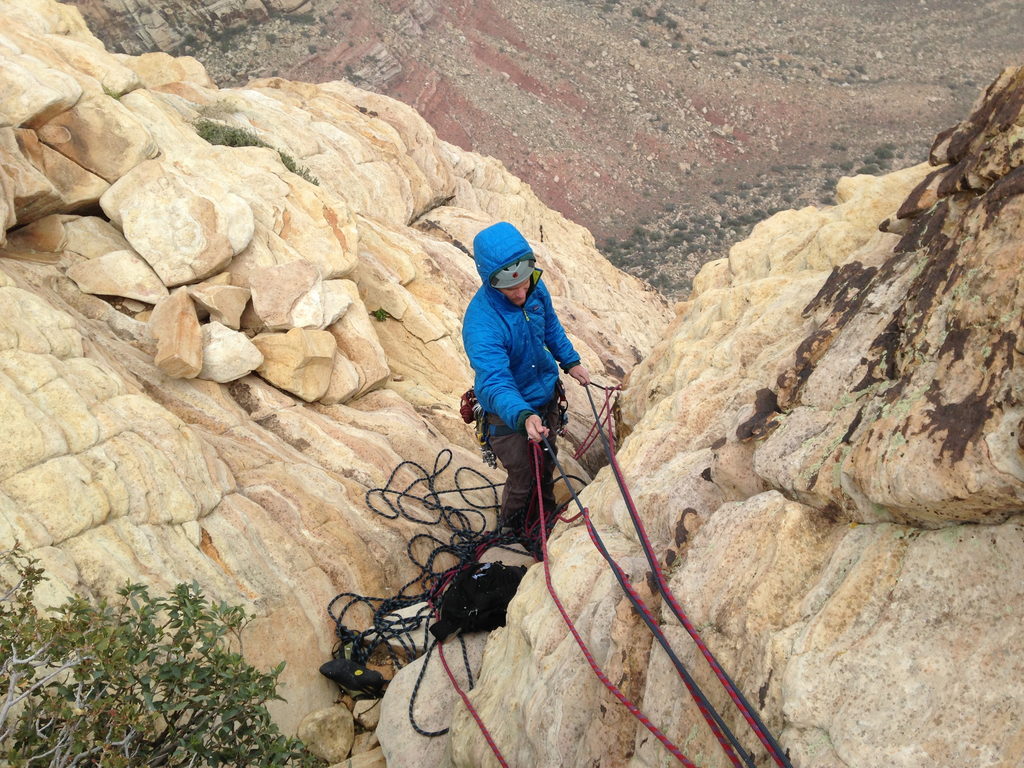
955 342
670 557
843 289
925 230
242 394
853 426
613 369
1008 187
964 421
882 364
718 443
652 583
766 405
762 692
918 199
682 534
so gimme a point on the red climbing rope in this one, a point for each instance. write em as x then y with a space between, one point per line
758 727
472 710
633 709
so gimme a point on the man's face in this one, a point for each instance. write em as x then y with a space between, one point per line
517 293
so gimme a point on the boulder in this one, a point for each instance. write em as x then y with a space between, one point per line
185 228
157 68
101 135
223 303
92 236
432 707
34 90
73 186
227 354
299 361
114 78
288 296
328 733
345 381
175 326
118 273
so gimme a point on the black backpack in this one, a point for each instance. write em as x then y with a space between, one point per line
477 598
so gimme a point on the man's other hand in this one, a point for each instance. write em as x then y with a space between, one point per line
581 374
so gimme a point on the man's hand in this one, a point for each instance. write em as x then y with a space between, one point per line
581 374
535 428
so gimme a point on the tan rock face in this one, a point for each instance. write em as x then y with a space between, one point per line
288 296
227 354
223 303
125 457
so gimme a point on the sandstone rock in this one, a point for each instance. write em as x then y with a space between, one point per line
367 713
227 354
372 759
288 296
34 90
158 68
31 194
75 188
337 300
224 303
184 229
100 135
357 341
328 733
118 273
43 240
345 381
299 361
432 708
174 325
114 78
91 236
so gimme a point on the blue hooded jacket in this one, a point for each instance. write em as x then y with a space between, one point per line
513 350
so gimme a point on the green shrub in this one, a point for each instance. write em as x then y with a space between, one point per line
140 680
232 136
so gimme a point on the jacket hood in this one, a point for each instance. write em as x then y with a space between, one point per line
497 246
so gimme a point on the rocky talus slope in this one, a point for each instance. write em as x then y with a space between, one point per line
826 450
207 360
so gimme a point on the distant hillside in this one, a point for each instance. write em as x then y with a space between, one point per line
667 128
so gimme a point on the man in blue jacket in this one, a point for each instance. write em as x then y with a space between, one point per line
515 344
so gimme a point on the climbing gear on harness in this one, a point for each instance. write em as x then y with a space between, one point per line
563 409
471 411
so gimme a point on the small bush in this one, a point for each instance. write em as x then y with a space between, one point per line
141 680
231 136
